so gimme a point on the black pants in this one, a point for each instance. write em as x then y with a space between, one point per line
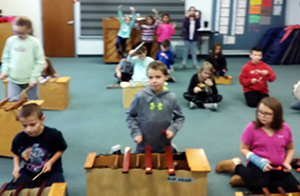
220 73
201 98
254 97
121 42
125 77
256 179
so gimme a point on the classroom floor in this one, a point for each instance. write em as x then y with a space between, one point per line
95 119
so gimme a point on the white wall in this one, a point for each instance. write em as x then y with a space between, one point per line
30 8
292 12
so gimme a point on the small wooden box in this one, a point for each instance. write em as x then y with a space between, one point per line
54 92
104 175
9 127
129 92
56 189
223 80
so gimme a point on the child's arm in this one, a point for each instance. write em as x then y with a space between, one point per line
192 85
172 31
130 57
5 61
120 14
214 87
159 30
290 151
48 165
131 119
271 76
132 17
157 55
171 58
198 24
244 80
178 119
39 64
224 63
16 171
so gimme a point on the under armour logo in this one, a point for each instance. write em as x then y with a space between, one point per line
153 106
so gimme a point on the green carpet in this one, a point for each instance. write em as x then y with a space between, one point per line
95 119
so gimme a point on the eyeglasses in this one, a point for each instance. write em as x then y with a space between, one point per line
267 114
19 34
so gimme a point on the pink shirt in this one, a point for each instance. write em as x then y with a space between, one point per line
265 146
165 31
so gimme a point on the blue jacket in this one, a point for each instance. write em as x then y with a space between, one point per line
169 61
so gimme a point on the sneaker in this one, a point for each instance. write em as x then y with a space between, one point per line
195 67
192 105
116 149
182 67
211 106
174 147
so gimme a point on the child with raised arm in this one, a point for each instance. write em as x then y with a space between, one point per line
154 116
22 60
267 145
254 77
39 146
125 29
148 30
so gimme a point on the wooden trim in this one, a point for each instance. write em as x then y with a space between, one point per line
126 160
170 163
197 160
63 80
90 159
58 189
239 194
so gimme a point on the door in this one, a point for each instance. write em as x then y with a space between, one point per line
58 28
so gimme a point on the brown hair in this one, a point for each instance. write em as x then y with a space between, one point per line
166 43
141 50
158 65
29 110
168 17
23 21
49 70
206 66
276 107
153 20
214 49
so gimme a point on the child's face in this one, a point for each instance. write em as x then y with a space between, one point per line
206 74
217 49
149 20
127 20
21 31
164 49
256 56
32 125
142 56
166 19
156 80
265 114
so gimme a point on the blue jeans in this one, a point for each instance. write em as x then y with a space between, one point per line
192 47
296 105
14 89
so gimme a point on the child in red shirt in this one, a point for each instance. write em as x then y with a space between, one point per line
254 77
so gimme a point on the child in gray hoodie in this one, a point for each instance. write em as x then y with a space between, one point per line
154 116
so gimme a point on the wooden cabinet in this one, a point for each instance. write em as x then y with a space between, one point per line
5 32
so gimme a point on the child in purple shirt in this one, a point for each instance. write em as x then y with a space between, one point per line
267 145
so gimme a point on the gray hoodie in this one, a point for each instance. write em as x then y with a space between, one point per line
150 114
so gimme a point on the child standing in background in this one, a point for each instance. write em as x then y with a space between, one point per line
191 23
166 56
217 59
148 30
266 143
154 110
140 64
165 30
254 77
125 29
202 91
22 60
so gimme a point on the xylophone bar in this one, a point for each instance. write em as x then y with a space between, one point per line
19 188
126 160
3 188
16 105
170 163
42 187
148 158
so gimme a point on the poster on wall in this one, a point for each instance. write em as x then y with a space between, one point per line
278 2
277 9
228 39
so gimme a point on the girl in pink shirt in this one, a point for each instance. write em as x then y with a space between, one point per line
165 30
267 145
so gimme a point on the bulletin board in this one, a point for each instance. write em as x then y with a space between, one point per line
242 23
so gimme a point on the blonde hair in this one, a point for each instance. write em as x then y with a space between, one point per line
206 66
23 21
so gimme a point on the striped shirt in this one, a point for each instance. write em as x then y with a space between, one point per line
147 31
